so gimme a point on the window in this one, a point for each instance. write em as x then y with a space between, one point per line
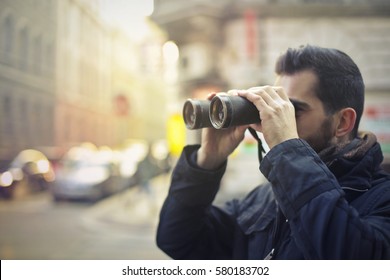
8 125
23 49
37 59
7 37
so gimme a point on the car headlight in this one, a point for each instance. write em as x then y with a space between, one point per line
6 179
43 166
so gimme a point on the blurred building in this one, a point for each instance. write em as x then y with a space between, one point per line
227 44
83 75
28 31
67 76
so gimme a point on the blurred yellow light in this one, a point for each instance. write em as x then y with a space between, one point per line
170 52
176 134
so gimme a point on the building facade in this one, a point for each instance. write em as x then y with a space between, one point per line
27 74
83 81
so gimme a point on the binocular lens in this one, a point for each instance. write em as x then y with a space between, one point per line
189 112
220 111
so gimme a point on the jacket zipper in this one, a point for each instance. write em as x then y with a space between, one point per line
275 235
270 255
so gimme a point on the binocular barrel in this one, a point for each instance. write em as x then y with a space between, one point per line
222 111
196 113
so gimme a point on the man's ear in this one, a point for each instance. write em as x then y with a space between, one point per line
346 122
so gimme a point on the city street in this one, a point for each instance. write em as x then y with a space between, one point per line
122 226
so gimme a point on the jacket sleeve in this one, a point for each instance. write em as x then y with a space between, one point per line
190 227
323 224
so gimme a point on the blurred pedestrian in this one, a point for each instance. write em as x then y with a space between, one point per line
145 172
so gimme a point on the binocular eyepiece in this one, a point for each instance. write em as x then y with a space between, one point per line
222 111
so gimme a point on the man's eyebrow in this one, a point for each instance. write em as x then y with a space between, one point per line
299 104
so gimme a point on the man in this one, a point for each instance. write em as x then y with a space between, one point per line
327 197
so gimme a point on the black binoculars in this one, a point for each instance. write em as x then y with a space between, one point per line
222 111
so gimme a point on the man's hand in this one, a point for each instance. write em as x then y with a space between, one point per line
218 144
276 111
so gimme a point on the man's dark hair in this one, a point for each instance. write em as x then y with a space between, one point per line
340 83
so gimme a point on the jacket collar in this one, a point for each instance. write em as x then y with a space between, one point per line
354 164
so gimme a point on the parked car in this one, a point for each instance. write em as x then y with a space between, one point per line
31 166
89 174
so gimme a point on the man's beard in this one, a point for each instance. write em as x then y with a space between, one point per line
323 138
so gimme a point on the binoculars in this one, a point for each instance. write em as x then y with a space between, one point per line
222 111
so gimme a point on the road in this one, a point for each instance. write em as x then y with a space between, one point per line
36 227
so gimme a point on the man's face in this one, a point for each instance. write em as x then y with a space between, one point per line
313 124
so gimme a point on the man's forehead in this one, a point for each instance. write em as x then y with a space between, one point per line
298 85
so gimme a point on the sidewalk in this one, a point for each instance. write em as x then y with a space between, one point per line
132 211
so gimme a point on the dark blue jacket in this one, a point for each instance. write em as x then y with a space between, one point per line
336 212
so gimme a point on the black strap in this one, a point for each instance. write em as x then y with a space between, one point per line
260 148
